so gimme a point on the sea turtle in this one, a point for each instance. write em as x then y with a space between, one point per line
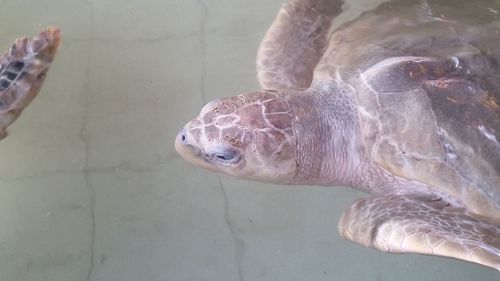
402 102
22 72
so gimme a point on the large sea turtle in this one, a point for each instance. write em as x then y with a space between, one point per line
402 103
22 72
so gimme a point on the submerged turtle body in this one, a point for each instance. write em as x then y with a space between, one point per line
22 72
402 103
428 92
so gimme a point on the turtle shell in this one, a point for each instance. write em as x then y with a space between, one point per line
427 85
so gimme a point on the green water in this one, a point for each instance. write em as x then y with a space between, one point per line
92 189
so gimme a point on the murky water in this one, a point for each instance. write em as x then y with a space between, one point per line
92 189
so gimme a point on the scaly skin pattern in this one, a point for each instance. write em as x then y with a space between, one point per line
427 225
251 133
22 72
379 107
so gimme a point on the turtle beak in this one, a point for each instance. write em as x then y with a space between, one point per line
182 145
188 150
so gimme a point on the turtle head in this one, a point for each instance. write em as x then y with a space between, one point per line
247 136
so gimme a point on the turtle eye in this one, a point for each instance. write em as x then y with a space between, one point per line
226 156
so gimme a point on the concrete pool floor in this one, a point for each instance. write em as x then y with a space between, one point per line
91 187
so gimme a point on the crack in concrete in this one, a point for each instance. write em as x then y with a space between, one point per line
124 40
38 175
84 136
93 222
122 166
203 47
239 243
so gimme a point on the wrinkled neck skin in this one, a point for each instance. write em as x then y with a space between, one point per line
329 150
326 129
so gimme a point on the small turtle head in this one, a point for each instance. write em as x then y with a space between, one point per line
248 136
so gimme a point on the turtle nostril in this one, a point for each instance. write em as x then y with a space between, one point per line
183 135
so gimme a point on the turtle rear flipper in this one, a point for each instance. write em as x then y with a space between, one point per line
22 72
424 225
295 43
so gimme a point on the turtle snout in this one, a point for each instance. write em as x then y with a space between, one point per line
189 149
182 139
182 144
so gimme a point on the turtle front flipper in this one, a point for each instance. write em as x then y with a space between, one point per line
295 43
421 224
22 72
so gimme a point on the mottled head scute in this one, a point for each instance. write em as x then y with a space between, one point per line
248 136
